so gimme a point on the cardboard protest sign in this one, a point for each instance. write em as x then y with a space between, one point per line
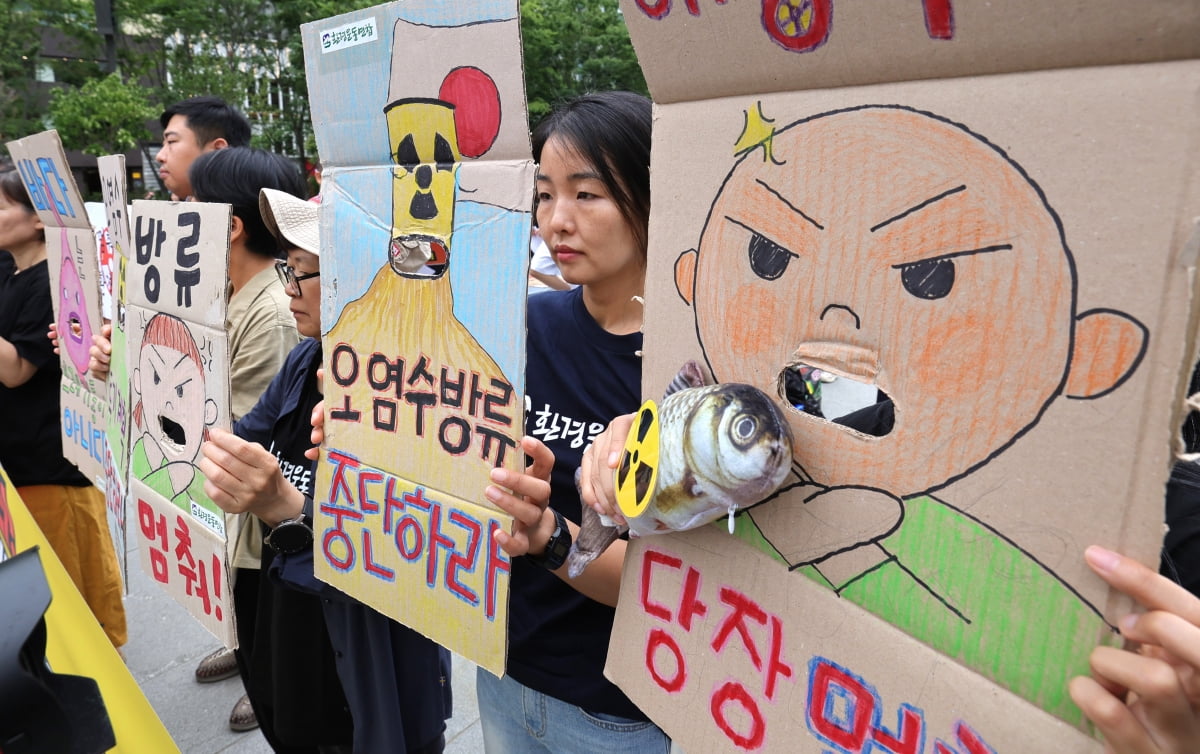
1001 262
178 366
419 113
75 642
75 278
117 428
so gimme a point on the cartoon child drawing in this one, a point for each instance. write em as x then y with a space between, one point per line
897 248
173 414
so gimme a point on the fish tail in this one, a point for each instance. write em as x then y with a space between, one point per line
594 538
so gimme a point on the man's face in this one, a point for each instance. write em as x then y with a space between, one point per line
180 148
173 401
894 249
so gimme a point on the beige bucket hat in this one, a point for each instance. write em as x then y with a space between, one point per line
292 220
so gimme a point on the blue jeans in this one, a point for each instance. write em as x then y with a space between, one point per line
517 720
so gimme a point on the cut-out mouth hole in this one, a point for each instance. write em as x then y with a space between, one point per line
173 430
75 325
416 256
858 405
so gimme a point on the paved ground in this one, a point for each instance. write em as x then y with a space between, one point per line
164 646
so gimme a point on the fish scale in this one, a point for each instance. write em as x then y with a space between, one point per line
719 448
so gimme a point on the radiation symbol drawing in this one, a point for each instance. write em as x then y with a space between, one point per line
638 470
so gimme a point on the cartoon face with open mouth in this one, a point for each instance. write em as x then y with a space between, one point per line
898 250
74 326
174 411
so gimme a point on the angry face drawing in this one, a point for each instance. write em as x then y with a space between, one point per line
895 248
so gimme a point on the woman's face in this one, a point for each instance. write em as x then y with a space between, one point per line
18 226
589 238
306 303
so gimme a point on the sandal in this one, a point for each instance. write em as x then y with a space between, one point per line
217 666
242 718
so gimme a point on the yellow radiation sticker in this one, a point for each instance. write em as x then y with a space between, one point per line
638 471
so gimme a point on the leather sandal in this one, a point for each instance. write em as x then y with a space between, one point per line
217 666
242 718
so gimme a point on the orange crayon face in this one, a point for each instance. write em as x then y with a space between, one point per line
893 248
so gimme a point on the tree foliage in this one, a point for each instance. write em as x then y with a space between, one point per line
19 44
572 47
103 116
249 52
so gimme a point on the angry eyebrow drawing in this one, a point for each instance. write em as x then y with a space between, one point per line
899 250
172 416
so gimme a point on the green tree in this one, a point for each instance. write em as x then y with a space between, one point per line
572 47
249 52
103 116
19 44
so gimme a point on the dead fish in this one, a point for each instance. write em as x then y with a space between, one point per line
708 451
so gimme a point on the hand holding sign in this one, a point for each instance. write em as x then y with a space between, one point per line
244 477
1158 680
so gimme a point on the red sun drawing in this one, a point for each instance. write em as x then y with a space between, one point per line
476 103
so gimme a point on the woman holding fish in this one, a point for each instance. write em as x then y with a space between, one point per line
583 368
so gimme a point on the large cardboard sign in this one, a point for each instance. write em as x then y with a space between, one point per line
75 643
420 119
1001 264
75 279
119 414
178 366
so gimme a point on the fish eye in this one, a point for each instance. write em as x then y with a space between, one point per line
929 278
768 259
745 427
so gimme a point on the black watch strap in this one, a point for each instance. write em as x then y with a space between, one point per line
557 546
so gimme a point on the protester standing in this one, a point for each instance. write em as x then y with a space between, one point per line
67 508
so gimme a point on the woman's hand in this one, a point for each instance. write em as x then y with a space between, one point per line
100 354
597 479
244 477
1145 698
52 334
317 420
525 496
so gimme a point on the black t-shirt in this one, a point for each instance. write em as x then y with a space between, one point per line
578 377
31 444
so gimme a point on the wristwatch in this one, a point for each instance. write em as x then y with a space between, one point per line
557 546
294 535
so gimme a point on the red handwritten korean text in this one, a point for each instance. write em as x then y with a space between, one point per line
378 516
843 711
202 578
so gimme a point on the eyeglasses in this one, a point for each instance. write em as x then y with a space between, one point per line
288 276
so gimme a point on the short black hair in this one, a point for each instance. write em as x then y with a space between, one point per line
210 118
611 131
235 176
